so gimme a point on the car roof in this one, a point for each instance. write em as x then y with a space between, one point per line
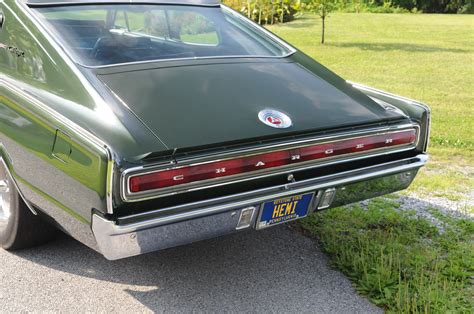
40 3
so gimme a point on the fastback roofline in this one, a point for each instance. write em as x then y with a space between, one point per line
44 3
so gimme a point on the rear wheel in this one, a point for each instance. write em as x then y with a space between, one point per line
19 227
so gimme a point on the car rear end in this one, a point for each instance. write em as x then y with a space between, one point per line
257 133
196 196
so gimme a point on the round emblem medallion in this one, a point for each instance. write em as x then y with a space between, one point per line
275 119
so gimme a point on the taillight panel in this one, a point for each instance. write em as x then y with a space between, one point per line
180 177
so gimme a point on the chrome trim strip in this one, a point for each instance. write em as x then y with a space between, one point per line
204 3
404 99
128 196
205 208
92 92
378 91
109 190
114 65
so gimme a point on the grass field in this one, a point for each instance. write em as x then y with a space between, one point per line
401 261
425 57
429 58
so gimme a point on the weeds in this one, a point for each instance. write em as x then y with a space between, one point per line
400 262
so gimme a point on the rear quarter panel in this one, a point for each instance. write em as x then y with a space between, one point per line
65 176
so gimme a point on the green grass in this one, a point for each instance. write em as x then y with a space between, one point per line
399 261
449 174
201 38
425 57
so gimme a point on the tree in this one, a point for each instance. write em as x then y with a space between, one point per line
322 8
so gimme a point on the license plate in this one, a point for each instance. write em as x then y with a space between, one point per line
283 210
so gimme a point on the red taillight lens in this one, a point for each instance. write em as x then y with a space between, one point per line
224 168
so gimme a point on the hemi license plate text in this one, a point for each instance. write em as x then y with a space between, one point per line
284 209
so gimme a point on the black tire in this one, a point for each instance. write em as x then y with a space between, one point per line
19 227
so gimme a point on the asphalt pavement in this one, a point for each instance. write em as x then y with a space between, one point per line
274 270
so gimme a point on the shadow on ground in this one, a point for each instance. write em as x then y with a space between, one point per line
271 270
300 22
396 46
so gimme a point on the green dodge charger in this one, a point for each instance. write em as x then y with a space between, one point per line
136 126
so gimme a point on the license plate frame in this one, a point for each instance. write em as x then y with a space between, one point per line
266 207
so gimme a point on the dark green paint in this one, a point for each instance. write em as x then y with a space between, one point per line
160 106
206 104
62 146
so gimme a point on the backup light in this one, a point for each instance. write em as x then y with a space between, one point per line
327 198
246 216
224 168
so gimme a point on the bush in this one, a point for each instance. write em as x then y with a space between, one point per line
351 8
404 6
266 11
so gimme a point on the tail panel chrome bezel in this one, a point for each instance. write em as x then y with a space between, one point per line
128 196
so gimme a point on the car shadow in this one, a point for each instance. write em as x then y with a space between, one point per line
300 22
276 269
395 46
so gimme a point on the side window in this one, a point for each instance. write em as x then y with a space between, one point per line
121 21
130 21
193 28
155 24
83 28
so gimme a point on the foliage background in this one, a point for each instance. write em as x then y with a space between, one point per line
277 11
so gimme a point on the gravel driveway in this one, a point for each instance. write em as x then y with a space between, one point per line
272 270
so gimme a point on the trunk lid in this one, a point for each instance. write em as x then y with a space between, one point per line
200 105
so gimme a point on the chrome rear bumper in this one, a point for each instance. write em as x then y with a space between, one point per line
156 230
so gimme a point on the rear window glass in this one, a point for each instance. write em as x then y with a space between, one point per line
98 35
